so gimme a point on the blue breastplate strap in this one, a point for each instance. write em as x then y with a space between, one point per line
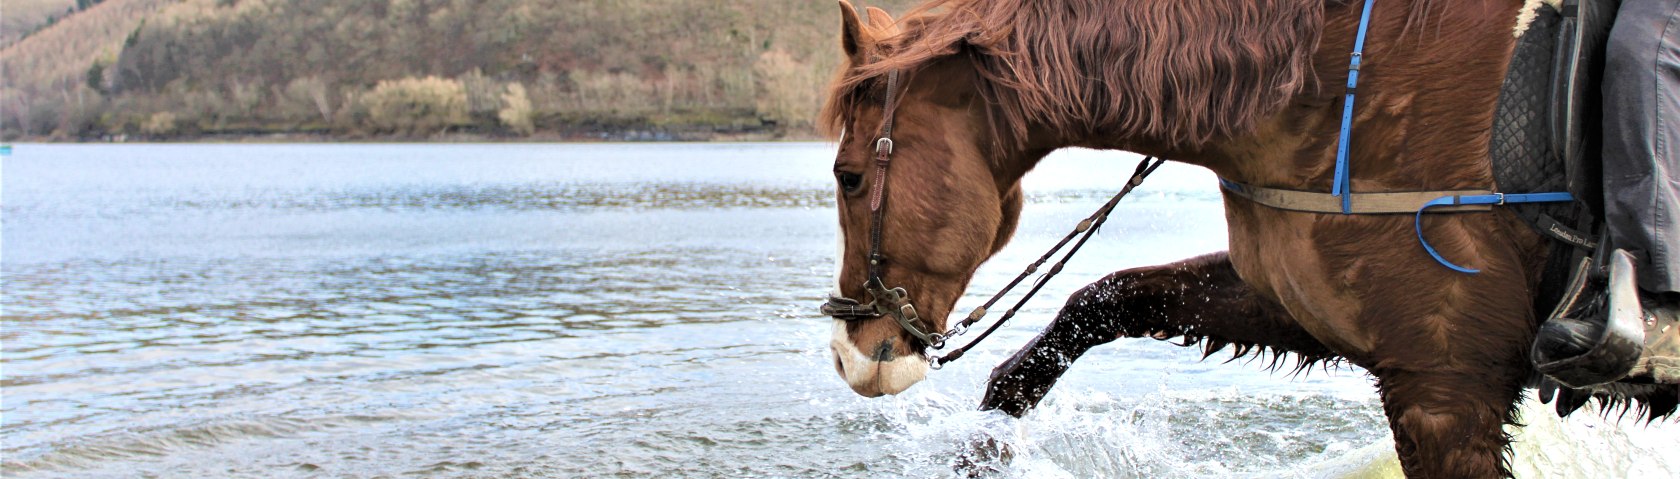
1342 186
1495 199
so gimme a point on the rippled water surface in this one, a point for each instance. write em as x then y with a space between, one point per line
583 311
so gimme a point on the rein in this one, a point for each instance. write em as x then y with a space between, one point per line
895 302
1088 227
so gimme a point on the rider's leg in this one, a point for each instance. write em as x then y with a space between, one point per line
1642 139
1642 167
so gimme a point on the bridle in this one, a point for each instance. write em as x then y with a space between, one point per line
884 301
895 302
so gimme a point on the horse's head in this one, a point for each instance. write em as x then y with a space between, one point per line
941 205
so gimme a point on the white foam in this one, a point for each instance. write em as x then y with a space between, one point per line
1583 445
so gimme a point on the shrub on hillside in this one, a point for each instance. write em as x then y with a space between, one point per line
788 89
413 106
159 124
517 112
305 99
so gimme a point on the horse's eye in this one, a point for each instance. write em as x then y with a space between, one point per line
849 182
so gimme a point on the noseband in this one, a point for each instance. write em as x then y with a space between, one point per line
884 301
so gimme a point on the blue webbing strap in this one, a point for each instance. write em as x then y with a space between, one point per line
1493 199
1343 188
1342 185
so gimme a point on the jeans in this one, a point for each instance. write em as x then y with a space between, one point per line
1642 140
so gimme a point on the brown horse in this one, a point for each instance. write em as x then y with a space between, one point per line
973 93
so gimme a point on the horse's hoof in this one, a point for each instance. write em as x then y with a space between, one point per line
983 458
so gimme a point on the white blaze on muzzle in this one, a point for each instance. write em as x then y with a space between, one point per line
873 378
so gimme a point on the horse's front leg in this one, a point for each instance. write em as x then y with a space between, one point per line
1200 299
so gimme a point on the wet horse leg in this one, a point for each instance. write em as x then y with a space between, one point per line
1200 299
1447 424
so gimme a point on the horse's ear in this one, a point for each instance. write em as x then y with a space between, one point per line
881 21
853 37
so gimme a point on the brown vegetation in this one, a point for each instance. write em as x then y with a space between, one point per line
521 67
20 18
46 74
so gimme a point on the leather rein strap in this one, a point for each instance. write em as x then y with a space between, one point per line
1087 228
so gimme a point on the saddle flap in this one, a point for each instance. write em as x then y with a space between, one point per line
1577 107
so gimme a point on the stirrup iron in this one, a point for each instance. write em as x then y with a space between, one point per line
1595 335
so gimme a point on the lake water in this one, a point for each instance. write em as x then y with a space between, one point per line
594 310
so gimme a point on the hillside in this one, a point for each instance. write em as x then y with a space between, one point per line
22 17
183 69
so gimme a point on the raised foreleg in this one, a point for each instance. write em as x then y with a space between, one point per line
1200 299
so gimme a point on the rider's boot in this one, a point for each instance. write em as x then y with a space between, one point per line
1597 335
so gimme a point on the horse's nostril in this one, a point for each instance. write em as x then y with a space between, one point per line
838 367
884 352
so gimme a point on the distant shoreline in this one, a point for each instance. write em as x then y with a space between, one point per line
634 136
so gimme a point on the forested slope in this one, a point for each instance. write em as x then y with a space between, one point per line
416 68
23 17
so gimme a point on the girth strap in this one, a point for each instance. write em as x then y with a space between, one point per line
1415 203
1358 203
